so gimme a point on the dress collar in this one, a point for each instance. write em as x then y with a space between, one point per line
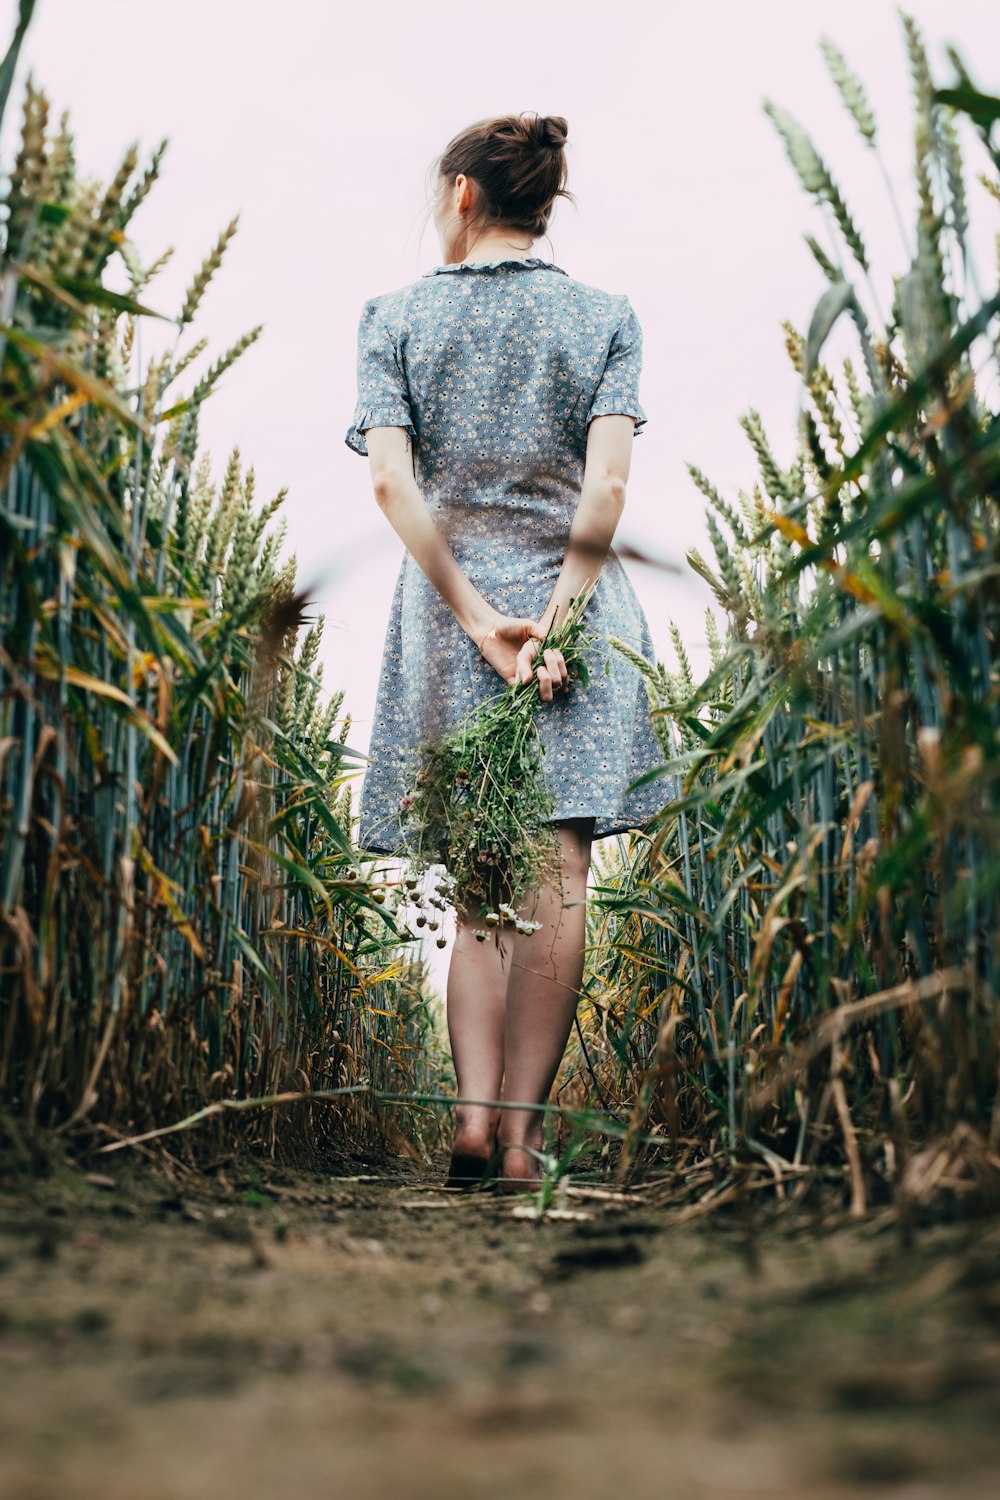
529 263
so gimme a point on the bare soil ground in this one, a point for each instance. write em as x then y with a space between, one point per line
262 1333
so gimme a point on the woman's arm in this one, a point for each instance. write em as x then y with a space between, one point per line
390 455
602 498
499 637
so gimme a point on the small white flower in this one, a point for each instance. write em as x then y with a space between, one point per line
481 936
491 919
506 910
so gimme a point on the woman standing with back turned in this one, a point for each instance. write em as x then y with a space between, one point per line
497 402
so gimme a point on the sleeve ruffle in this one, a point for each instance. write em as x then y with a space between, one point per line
383 394
617 391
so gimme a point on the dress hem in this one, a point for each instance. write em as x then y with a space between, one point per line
606 833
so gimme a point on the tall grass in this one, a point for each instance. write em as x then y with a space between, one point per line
799 965
794 969
183 916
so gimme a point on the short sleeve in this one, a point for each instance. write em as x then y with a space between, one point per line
618 388
383 394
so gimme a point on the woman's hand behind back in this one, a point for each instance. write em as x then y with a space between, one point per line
511 647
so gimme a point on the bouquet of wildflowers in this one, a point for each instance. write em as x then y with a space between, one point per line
479 804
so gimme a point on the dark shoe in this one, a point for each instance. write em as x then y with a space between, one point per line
467 1173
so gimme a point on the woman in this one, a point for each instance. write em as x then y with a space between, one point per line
497 402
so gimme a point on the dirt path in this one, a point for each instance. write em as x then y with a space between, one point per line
314 1335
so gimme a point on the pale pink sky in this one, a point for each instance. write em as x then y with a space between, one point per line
316 123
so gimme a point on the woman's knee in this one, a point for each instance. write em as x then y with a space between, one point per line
575 836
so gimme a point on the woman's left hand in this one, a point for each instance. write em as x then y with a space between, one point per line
511 647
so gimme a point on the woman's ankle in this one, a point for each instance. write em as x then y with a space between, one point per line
476 1128
520 1160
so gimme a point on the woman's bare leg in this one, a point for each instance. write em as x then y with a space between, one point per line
543 991
476 1006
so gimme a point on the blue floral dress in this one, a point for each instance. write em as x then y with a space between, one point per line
496 369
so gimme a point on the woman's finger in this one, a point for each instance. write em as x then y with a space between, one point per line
556 666
524 659
544 683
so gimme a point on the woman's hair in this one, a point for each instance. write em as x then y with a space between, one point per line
518 163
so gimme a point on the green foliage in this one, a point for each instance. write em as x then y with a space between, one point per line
182 913
479 803
804 943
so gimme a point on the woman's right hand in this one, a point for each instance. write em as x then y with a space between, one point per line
511 647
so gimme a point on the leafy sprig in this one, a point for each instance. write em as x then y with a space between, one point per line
479 804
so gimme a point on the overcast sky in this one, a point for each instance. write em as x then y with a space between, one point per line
316 123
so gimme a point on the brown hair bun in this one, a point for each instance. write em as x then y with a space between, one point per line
518 163
554 131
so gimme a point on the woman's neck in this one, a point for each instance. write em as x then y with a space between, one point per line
497 247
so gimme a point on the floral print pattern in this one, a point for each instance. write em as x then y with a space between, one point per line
496 369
